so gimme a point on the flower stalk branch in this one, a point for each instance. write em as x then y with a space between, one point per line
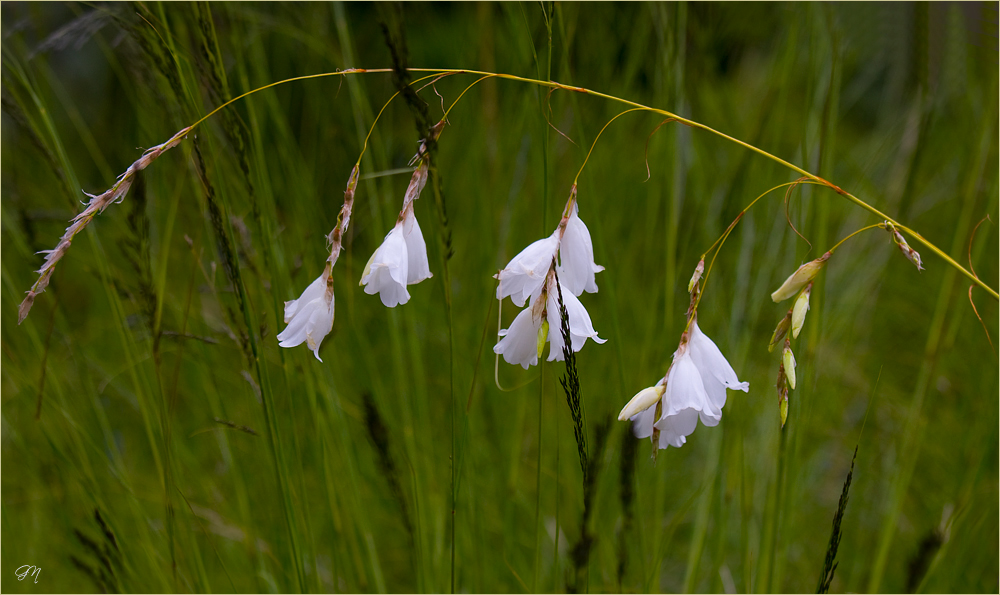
118 191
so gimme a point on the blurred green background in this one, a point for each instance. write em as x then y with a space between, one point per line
112 386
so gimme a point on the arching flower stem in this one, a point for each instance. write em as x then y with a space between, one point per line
118 191
717 245
866 228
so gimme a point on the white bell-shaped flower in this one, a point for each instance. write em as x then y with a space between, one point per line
580 326
309 318
387 270
576 256
519 343
695 388
525 274
401 260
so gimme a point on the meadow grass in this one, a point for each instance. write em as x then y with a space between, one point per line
156 438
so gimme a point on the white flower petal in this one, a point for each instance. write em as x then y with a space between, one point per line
388 270
685 389
580 326
676 427
576 256
418 268
712 363
315 290
642 423
525 273
320 325
519 344
308 321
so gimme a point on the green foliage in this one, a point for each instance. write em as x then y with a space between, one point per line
156 438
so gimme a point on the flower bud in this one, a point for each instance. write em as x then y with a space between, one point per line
642 401
799 310
788 361
781 330
698 270
543 336
799 278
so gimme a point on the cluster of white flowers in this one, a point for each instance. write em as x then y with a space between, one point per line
401 260
566 255
694 388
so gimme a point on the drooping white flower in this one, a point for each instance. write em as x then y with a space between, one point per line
576 256
580 326
309 318
694 388
519 343
388 269
401 260
525 274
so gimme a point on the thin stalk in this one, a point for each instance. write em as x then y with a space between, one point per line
866 228
555 85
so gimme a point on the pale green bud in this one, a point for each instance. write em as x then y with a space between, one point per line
642 401
799 310
543 336
797 280
788 359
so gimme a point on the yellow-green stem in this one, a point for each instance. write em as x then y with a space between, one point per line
638 106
